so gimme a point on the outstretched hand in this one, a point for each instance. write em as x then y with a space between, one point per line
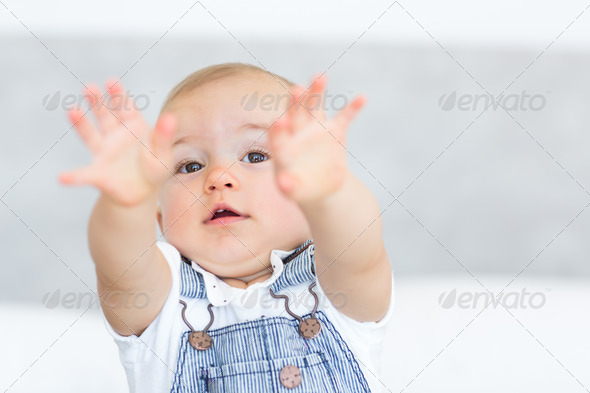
309 150
130 160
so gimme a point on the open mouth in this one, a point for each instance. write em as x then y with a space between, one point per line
224 215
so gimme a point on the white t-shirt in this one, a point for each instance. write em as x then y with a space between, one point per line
150 359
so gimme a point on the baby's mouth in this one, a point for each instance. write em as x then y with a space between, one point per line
225 216
224 213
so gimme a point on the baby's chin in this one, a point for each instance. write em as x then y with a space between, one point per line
227 257
234 265
240 270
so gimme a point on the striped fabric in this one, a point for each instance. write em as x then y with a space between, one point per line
297 270
249 356
192 283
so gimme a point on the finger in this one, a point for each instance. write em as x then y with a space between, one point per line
161 140
346 115
115 98
86 130
105 118
78 177
278 134
92 95
314 97
297 115
119 101
286 183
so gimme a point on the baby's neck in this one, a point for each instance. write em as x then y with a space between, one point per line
245 282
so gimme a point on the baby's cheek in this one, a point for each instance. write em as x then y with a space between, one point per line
287 210
180 214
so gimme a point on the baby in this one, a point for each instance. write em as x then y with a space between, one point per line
238 192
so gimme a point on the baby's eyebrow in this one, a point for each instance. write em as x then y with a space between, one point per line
182 140
255 126
248 127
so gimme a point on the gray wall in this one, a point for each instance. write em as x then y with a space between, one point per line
480 191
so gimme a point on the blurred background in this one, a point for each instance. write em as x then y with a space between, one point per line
474 140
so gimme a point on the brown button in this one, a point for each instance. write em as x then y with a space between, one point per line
310 328
200 340
290 377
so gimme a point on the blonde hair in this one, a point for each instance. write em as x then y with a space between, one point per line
215 72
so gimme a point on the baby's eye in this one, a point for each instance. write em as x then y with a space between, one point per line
189 167
257 156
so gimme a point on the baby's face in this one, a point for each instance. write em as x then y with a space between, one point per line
221 155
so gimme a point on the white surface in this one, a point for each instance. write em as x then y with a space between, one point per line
505 23
428 349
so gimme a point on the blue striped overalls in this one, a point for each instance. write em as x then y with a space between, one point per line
277 354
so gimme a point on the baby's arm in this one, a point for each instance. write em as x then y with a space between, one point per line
122 244
309 153
122 231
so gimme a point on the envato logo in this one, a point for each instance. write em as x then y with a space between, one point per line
477 102
269 102
297 344
258 299
86 300
121 101
509 300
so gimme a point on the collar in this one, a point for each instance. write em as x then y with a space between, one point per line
288 268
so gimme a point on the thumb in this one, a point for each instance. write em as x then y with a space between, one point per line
78 177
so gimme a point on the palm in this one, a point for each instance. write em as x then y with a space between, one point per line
129 160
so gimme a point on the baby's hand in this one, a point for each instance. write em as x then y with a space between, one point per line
310 155
130 160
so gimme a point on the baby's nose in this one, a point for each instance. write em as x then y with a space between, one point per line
220 179
217 185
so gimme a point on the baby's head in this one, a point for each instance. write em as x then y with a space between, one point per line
222 156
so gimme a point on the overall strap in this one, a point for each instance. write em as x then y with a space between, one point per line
192 283
298 267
